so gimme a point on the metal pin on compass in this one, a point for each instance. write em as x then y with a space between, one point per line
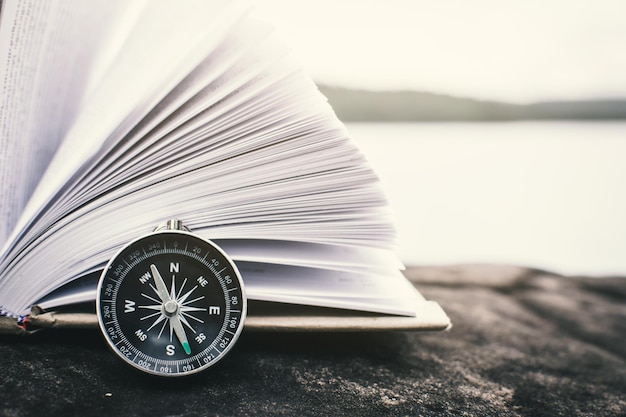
171 303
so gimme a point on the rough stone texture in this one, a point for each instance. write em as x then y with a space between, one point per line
524 343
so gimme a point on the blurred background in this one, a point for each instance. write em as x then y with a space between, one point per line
498 128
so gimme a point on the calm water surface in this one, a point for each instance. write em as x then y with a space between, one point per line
543 194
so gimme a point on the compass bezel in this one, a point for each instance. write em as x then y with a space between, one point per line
110 324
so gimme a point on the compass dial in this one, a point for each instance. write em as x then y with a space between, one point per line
171 303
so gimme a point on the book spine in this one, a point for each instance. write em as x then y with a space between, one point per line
12 323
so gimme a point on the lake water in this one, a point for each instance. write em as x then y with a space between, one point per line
545 194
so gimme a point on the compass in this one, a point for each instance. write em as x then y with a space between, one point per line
171 303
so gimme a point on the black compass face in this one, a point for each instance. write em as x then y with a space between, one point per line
171 303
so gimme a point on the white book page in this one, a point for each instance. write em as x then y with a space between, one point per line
126 94
388 293
46 52
138 155
233 197
312 255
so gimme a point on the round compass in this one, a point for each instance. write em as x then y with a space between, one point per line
171 303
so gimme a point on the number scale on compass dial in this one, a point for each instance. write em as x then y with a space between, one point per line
171 303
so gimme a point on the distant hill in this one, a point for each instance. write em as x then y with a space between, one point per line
362 105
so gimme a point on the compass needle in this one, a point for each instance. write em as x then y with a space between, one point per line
184 321
180 333
154 289
160 285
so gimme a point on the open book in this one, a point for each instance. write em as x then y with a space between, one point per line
117 115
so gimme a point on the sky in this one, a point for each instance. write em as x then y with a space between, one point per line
517 51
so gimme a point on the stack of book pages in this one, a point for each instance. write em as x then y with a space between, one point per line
116 116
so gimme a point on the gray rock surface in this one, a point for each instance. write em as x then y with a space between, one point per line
524 343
